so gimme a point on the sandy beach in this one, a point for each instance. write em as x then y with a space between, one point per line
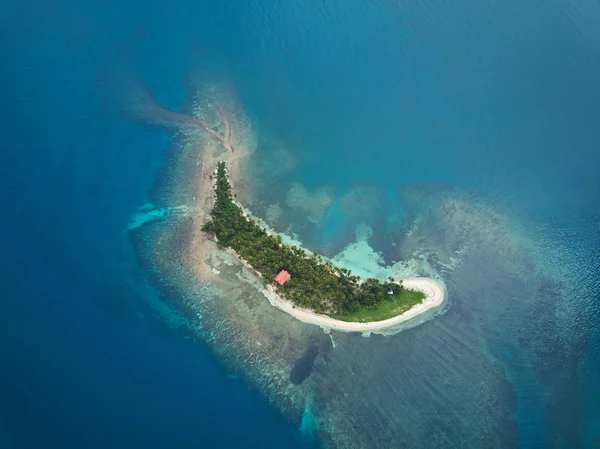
434 290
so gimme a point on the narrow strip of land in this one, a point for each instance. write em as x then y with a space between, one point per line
310 288
435 296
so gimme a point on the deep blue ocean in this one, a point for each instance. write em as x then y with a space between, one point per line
502 98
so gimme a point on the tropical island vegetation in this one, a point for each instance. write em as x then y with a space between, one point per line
313 282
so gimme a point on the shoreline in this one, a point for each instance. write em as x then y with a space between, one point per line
435 291
435 297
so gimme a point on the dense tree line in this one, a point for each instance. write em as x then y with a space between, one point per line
314 283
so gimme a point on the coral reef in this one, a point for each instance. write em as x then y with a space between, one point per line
315 205
361 202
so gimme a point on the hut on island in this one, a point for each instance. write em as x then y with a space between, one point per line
282 277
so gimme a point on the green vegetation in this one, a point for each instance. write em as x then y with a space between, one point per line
314 283
399 304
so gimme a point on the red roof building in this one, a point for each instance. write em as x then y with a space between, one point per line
282 277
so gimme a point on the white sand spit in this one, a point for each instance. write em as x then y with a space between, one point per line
435 298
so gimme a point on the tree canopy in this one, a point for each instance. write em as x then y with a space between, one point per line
315 283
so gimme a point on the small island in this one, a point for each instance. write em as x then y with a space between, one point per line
306 285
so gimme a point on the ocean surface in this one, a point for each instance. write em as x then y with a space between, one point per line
463 134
